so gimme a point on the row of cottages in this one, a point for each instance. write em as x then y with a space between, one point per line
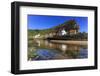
64 30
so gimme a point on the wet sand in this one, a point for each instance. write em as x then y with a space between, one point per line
70 42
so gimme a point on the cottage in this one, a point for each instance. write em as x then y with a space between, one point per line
68 29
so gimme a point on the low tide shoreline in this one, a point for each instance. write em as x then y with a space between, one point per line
70 42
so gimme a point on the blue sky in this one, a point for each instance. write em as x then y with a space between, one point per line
43 21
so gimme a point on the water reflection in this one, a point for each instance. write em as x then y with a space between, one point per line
46 50
63 47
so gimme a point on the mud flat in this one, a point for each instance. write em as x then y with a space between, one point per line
70 42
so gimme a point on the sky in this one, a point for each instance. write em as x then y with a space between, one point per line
44 22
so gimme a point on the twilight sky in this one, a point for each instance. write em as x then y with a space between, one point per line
44 21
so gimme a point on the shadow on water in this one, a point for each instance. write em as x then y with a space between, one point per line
45 50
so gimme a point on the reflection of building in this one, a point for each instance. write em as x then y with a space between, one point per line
61 47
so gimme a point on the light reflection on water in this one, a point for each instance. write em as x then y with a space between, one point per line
46 50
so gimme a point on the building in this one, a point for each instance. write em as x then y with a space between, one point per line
68 28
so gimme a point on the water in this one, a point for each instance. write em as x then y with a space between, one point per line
46 50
